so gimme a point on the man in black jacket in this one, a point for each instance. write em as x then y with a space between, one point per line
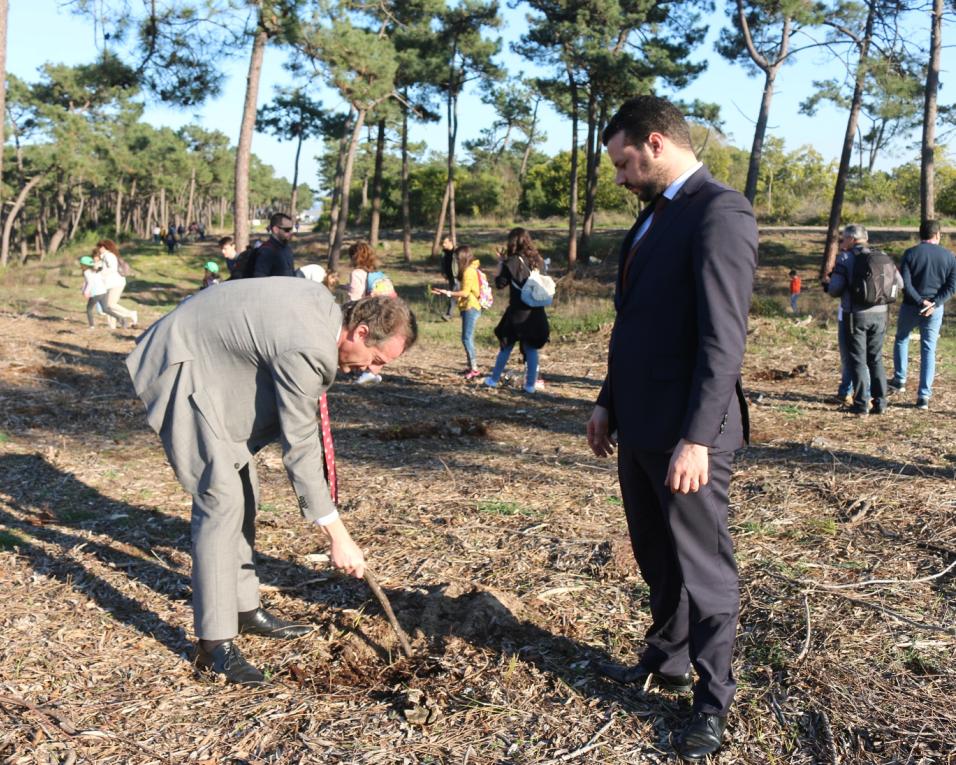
673 404
274 257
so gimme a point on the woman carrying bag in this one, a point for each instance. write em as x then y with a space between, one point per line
520 323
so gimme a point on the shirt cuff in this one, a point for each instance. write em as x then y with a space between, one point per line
325 520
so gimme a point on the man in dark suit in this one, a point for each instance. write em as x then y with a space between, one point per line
673 406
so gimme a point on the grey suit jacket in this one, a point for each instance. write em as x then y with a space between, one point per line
236 367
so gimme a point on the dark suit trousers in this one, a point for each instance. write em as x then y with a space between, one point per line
685 554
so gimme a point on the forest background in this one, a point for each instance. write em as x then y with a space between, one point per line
358 80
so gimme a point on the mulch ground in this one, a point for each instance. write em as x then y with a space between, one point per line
501 543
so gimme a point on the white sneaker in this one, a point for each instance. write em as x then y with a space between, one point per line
135 319
539 384
368 377
490 383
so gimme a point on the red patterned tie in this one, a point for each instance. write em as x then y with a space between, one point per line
328 450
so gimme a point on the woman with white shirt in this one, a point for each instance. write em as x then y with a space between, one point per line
115 284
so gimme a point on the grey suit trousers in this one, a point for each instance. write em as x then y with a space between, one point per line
223 531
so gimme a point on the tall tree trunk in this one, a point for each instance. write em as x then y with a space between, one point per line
163 212
377 185
12 216
244 149
439 231
573 194
760 131
294 201
336 200
927 170
131 207
118 225
770 69
4 7
192 195
406 207
453 137
336 248
77 216
150 216
836 208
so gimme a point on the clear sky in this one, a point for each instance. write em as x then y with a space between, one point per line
42 31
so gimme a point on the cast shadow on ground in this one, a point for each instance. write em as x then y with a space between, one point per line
43 503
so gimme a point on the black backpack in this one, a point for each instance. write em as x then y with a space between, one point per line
873 281
245 266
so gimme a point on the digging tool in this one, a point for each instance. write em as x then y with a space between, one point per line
387 608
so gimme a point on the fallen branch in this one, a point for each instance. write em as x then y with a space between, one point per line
806 641
584 749
387 608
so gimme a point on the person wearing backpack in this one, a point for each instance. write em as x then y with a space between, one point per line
115 271
866 281
469 303
929 280
520 323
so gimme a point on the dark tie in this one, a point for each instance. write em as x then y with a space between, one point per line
659 204
328 450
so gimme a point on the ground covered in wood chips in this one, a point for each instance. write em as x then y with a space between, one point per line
501 543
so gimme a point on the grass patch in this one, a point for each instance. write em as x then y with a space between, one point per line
501 507
9 540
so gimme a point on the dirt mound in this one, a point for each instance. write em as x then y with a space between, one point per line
471 612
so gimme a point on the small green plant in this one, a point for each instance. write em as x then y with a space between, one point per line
617 501
766 306
4 438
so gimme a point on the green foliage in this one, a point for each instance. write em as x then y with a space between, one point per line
9 540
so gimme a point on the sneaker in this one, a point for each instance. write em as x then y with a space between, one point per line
490 382
860 411
847 400
539 384
878 409
922 403
472 374
134 321
892 388
368 377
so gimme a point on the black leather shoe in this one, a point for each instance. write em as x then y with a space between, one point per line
261 622
637 675
225 659
702 736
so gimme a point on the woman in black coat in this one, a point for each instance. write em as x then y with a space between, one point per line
520 323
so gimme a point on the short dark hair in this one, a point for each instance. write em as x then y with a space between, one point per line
639 117
384 316
278 218
928 228
225 240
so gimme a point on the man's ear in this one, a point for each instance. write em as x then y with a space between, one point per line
361 333
656 143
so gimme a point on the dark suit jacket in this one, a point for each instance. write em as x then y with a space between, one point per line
678 340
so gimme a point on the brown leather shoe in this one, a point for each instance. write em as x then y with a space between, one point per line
637 675
261 622
225 659
702 736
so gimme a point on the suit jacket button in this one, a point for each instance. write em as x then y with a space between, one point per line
237 466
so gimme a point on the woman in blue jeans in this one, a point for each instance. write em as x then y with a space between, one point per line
520 323
468 304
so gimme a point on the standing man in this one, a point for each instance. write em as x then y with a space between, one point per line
227 372
865 322
449 269
673 404
274 257
929 280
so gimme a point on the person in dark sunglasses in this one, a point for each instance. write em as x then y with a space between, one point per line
274 257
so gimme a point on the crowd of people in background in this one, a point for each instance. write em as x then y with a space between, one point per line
867 282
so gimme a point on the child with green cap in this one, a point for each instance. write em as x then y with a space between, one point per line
210 274
94 290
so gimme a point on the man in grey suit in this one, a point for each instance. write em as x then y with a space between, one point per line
673 397
227 372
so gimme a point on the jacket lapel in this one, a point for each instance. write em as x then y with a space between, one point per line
660 228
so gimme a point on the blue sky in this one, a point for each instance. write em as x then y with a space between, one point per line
64 38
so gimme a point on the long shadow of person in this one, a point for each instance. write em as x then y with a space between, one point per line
54 514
